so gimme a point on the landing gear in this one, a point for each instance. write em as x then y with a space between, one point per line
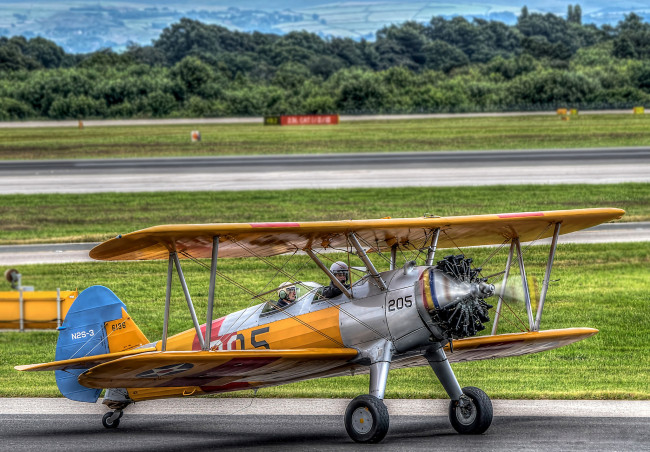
366 419
472 413
116 399
470 410
111 419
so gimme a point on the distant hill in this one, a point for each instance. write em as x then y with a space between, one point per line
194 69
85 26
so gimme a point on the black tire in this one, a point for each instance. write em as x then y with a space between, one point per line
363 410
474 419
106 423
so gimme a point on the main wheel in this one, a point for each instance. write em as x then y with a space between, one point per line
366 419
107 423
472 415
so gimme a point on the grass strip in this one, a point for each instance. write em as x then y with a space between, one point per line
94 217
600 286
524 132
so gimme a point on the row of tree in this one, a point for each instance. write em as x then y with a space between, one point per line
195 69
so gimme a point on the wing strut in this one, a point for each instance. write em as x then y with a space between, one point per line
190 305
367 261
168 297
534 323
174 261
432 248
503 288
327 271
213 277
547 277
524 283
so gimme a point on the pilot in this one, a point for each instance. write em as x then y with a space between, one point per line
286 294
342 273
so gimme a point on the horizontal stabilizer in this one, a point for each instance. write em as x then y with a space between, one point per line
85 362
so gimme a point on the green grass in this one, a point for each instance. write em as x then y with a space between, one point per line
526 132
92 217
600 286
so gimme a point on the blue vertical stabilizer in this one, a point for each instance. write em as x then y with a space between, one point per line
83 334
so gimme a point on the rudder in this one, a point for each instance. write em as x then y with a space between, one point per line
96 323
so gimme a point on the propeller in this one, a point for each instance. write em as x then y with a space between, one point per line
514 290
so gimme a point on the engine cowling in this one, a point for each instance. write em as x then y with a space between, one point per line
455 297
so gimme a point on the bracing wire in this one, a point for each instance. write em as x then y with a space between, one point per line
296 318
494 253
263 259
105 339
276 273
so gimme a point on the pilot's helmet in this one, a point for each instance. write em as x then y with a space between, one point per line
284 290
340 268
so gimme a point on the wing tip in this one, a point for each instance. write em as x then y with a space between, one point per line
25 367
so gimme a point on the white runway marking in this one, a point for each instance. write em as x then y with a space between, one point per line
236 181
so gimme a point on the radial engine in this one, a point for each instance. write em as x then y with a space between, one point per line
456 297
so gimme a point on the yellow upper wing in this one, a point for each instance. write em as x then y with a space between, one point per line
269 239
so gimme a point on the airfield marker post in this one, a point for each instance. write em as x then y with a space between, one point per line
168 295
188 298
58 307
524 282
432 248
547 277
21 302
503 288
213 277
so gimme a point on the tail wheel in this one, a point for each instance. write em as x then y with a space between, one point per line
106 420
472 414
366 419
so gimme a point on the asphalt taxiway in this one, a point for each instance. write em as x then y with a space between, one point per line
317 424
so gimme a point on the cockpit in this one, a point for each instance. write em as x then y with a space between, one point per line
305 293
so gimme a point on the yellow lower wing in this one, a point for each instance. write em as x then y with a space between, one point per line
515 344
503 346
214 368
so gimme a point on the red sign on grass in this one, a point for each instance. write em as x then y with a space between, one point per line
300 120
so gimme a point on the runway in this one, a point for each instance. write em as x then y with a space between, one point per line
317 424
459 168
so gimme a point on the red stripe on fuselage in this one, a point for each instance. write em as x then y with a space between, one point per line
214 333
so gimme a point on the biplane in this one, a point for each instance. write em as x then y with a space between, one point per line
413 313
